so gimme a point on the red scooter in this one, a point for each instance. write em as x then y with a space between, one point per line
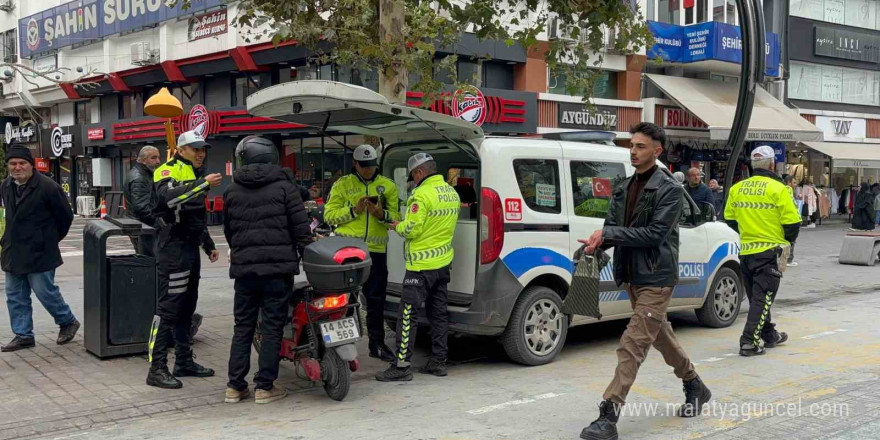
324 319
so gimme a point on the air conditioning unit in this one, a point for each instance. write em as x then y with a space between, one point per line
142 54
7 5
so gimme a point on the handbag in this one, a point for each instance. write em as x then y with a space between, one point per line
583 295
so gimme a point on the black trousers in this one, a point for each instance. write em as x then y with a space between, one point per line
272 295
179 268
762 277
428 286
375 290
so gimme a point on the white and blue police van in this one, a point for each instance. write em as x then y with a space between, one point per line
525 203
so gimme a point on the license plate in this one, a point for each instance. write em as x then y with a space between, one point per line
335 332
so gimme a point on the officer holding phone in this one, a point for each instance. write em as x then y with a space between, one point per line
361 204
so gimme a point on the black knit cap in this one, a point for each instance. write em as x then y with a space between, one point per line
15 151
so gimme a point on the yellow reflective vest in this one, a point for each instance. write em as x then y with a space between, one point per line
180 195
431 216
761 205
344 196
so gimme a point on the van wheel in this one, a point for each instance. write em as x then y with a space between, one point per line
537 328
723 301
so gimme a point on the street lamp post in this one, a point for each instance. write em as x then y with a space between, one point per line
164 105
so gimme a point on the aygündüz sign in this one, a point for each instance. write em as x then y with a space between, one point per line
578 116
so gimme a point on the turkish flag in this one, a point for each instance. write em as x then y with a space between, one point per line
601 187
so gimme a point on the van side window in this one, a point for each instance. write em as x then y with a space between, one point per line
538 181
593 186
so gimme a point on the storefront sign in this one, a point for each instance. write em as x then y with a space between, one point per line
200 120
856 163
41 164
208 25
495 110
778 149
60 141
838 128
680 118
708 41
470 107
577 116
80 21
95 134
46 64
26 133
838 42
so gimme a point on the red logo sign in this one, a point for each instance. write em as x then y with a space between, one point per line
681 118
601 187
41 164
513 210
469 107
95 134
200 120
166 173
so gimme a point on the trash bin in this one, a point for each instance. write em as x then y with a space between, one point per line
119 290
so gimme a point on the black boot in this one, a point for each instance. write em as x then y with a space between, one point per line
67 332
160 377
18 343
775 338
751 349
395 374
189 367
436 368
382 352
696 394
605 427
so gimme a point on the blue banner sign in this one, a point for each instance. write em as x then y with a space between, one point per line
707 41
84 21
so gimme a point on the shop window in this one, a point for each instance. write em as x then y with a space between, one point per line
605 86
9 43
538 181
498 75
364 77
246 85
127 105
469 72
592 186
667 11
82 112
815 82
189 95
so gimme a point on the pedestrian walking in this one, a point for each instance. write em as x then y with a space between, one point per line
864 217
266 226
790 185
38 217
428 228
717 197
760 209
642 226
181 216
140 197
875 189
361 205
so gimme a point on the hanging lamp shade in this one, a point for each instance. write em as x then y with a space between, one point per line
163 105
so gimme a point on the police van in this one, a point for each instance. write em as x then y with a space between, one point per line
525 203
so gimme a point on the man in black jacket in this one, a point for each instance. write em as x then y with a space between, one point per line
140 196
38 217
642 226
266 226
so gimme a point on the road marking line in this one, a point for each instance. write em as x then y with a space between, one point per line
823 334
505 405
713 359
731 354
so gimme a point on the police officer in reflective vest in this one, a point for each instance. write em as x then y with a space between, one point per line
431 216
180 215
761 211
361 205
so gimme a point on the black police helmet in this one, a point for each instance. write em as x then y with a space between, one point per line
254 149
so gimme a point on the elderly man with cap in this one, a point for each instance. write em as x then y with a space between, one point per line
431 216
361 204
180 216
38 217
760 209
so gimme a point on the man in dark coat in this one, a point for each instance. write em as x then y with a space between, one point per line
266 225
140 196
863 209
698 190
38 217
